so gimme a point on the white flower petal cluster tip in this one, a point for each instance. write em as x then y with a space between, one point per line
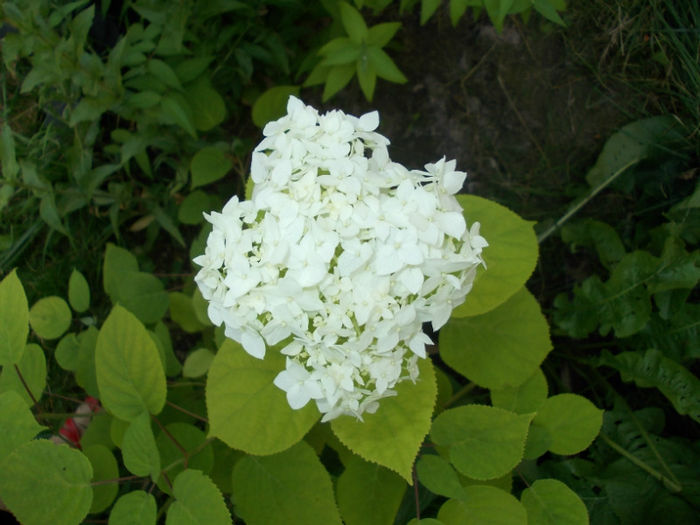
338 259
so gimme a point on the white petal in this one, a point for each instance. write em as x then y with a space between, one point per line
297 396
453 181
412 279
452 223
418 342
368 121
281 172
253 343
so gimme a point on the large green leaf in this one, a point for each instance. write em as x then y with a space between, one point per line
393 435
571 421
497 11
197 501
484 442
182 312
291 487
50 317
368 494
272 104
653 369
14 312
438 476
32 366
632 143
246 410
85 373
129 371
104 468
353 23
197 362
139 292
41 482
590 233
625 304
17 422
139 448
183 446
500 348
524 398
97 432
224 459
134 508
164 342
510 257
208 107
483 505
208 165
551 502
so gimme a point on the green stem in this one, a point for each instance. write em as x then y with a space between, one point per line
185 411
671 485
574 209
460 394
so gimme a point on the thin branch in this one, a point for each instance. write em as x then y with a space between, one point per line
185 411
26 387
415 491
574 209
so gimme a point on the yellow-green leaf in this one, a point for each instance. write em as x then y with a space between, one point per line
129 371
14 312
392 435
510 257
246 410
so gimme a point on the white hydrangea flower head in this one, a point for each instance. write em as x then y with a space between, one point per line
338 259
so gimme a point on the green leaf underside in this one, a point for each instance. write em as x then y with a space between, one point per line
510 257
572 422
501 348
551 502
134 508
197 501
41 482
484 442
130 374
392 436
483 505
368 494
246 410
17 422
290 487
14 311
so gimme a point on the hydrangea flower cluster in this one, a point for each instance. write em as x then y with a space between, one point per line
338 259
